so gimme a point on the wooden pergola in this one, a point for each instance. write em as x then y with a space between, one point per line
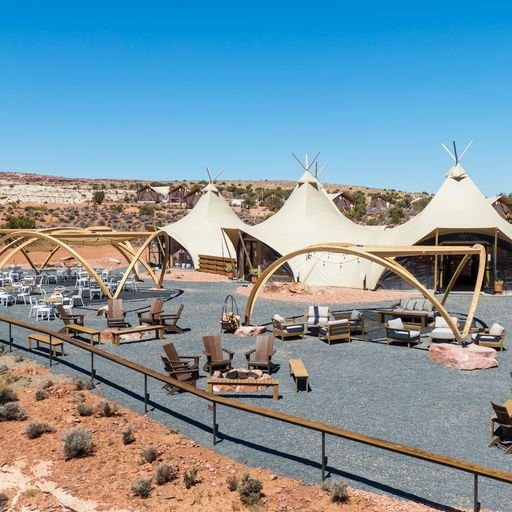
384 256
50 240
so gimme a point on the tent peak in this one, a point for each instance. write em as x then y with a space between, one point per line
457 172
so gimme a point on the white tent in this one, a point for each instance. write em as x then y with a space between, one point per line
200 231
310 217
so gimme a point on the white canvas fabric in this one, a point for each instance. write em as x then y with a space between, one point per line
396 323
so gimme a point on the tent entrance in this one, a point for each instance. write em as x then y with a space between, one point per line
467 278
180 258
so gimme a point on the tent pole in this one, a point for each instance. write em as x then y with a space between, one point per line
25 253
495 256
245 249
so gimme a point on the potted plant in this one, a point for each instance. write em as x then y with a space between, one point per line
254 273
229 271
498 286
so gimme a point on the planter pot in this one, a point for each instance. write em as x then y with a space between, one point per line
498 288
230 275
254 279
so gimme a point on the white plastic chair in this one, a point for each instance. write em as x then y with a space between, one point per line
78 296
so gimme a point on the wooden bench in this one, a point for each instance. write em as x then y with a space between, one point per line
117 333
42 338
245 382
299 372
82 329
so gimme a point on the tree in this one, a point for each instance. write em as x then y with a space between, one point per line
98 197
147 210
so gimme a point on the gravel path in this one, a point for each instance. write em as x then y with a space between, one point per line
386 391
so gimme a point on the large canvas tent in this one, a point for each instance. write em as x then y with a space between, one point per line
459 213
199 233
308 217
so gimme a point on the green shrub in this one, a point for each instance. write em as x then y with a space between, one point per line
98 197
232 482
19 222
128 436
147 210
149 454
12 411
7 395
249 490
164 473
77 443
142 487
40 394
36 429
190 478
85 409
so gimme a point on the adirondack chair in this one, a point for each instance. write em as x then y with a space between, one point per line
69 318
116 314
190 363
213 351
151 316
262 354
504 419
181 374
170 320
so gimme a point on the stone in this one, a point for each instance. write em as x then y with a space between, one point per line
472 357
245 331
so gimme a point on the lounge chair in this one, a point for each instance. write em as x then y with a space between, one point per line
316 315
116 314
287 327
335 330
190 363
181 374
213 350
396 332
355 318
69 318
441 332
170 320
493 337
262 354
504 437
151 316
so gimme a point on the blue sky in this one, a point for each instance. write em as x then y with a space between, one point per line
158 90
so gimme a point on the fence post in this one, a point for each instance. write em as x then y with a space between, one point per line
476 503
215 426
324 458
93 371
51 352
10 337
145 394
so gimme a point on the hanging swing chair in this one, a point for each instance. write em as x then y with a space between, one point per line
229 318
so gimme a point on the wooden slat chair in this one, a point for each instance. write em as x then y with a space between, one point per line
116 314
355 318
493 337
396 332
151 316
316 315
335 330
287 327
170 320
69 318
504 437
181 374
214 354
262 354
187 362
441 332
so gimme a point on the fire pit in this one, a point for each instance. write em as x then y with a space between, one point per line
241 381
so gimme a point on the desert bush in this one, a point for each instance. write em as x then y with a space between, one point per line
85 409
164 473
4 369
128 436
19 222
12 411
339 492
107 410
7 395
77 443
149 454
36 429
19 358
147 210
81 384
232 482
190 478
40 394
98 197
249 490
142 487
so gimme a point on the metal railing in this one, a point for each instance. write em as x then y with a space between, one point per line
443 460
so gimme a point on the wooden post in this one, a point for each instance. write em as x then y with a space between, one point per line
495 257
436 269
